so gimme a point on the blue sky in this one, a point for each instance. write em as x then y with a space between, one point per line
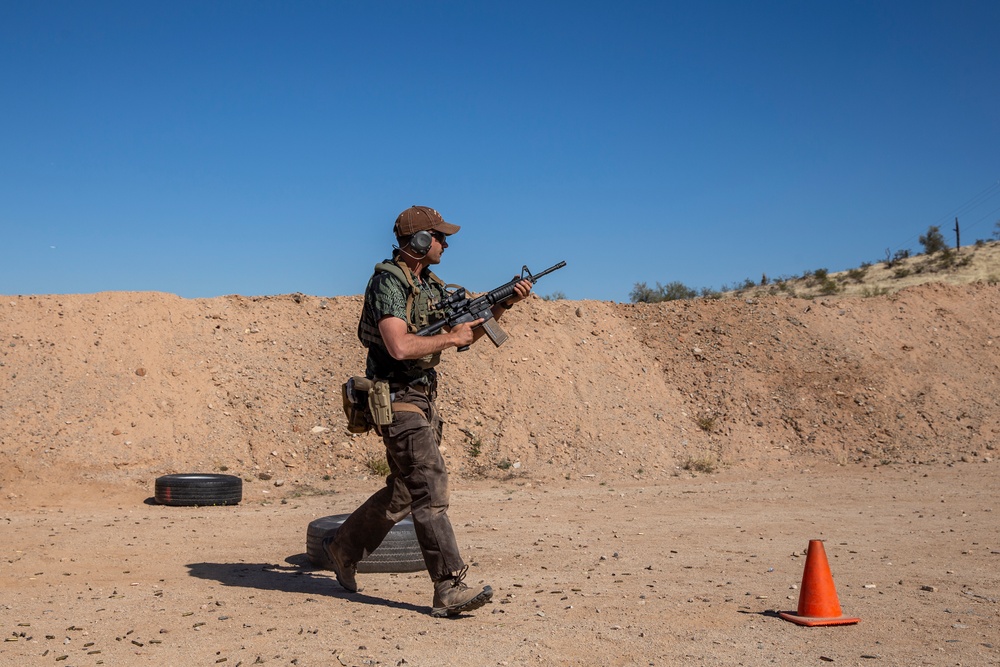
247 147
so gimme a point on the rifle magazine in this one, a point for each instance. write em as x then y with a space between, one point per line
493 330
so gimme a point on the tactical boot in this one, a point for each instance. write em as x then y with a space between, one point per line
345 571
452 596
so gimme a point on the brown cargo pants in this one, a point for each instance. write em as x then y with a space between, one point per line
417 484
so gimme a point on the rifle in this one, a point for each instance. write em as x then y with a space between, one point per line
458 308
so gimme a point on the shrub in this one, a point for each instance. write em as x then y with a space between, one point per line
933 240
829 286
899 256
947 258
704 464
706 423
673 291
874 291
858 275
377 465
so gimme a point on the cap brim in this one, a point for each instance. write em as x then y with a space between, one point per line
446 228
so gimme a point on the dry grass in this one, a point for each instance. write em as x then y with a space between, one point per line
970 264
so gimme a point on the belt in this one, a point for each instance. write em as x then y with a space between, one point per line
422 388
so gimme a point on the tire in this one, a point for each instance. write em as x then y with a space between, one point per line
399 551
198 489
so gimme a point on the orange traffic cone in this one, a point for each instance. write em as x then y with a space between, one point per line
818 603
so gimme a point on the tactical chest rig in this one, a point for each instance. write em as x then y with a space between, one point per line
368 402
420 306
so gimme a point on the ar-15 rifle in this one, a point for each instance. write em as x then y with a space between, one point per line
458 308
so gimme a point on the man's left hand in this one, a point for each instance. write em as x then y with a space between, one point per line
521 291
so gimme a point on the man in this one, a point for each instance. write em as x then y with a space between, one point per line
399 300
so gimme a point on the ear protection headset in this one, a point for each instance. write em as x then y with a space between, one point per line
420 242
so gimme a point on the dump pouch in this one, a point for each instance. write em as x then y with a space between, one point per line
380 404
355 394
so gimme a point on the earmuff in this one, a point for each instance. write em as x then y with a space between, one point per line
420 242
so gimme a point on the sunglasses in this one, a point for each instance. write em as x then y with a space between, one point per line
440 236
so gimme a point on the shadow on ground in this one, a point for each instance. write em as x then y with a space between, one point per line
299 576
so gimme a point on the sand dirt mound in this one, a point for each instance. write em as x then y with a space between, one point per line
117 388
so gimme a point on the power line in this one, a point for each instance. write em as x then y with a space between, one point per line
968 207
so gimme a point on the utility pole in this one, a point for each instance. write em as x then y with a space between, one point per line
958 239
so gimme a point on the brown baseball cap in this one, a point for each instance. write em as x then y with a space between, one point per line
418 218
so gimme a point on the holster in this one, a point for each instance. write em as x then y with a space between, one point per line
356 394
380 403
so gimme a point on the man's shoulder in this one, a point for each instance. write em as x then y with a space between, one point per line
385 277
387 294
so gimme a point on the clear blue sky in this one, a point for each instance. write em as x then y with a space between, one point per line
248 147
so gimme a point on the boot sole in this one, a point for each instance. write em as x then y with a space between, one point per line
337 570
475 603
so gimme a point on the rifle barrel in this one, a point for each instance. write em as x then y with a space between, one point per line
548 271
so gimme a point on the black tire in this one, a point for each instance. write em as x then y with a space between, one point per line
399 551
198 489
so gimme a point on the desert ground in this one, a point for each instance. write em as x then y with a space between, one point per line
637 482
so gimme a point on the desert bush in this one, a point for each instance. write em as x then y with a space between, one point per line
702 464
673 291
858 275
555 296
377 465
874 291
933 240
829 286
947 258
897 257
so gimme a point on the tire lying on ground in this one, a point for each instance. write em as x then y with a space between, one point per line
198 489
399 551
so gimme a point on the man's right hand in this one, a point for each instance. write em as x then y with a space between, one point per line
463 335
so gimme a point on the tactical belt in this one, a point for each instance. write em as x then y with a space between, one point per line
422 388
406 407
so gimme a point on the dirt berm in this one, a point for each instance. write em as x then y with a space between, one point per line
115 388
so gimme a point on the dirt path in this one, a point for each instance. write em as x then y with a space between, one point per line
688 571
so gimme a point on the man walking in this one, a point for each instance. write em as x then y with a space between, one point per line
399 300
